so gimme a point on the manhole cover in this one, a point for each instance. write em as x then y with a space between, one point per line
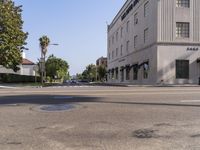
57 107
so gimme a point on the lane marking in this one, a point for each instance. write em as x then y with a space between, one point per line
95 94
63 97
190 101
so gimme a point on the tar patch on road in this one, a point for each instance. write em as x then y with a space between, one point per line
195 136
144 134
163 124
14 143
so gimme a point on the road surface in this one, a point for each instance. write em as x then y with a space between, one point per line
101 118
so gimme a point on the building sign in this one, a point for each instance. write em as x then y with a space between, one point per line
192 49
129 9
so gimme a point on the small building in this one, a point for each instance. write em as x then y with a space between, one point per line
102 61
27 68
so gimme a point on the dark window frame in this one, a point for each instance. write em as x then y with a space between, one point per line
146 71
182 69
135 72
183 3
182 29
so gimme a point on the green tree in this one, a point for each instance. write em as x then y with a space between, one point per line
101 71
90 73
57 68
44 43
79 76
12 37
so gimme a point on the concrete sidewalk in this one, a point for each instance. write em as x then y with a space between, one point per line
7 87
157 85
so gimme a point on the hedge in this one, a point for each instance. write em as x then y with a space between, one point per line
15 78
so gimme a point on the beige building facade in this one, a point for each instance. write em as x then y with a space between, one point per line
155 42
102 61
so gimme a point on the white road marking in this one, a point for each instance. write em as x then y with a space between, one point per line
63 97
190 101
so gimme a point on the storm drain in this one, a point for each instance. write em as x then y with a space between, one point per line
144 133
57 107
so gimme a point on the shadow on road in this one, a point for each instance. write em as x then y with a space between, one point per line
64 99
45 99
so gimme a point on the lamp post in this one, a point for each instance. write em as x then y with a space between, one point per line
42 64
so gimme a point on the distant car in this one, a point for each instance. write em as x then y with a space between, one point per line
74 81
84 81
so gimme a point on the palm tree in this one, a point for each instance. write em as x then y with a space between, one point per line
44 43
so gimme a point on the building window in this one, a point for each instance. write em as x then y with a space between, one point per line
113 40
127 46
183 3
109 56
122 74
112 54
127 26
116 73
116 52
136 18
146 34
146 70
135 41
182 30
182 69
116 36
128 73
113 74
146 9
121 32
135 72
109 43
121 51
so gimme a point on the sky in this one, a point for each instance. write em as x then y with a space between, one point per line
78 26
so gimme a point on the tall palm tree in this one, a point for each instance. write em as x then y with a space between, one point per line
44 43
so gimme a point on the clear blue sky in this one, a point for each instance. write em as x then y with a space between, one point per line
79 27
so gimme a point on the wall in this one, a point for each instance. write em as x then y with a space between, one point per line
167 55
168 14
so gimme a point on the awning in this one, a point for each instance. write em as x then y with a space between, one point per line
198 60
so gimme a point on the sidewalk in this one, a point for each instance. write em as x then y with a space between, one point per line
157 85
15 85
6 87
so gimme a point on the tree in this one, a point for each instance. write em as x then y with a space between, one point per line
90 72
44 43
101 71
57 68
79 76
12 37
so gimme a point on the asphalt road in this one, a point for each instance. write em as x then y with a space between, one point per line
101 118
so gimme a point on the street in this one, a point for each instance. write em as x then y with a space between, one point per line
100 118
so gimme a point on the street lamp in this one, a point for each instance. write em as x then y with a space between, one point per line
42 64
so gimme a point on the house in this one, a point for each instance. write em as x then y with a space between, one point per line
27 68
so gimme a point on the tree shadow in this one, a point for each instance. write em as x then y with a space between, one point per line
65 99
45 99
